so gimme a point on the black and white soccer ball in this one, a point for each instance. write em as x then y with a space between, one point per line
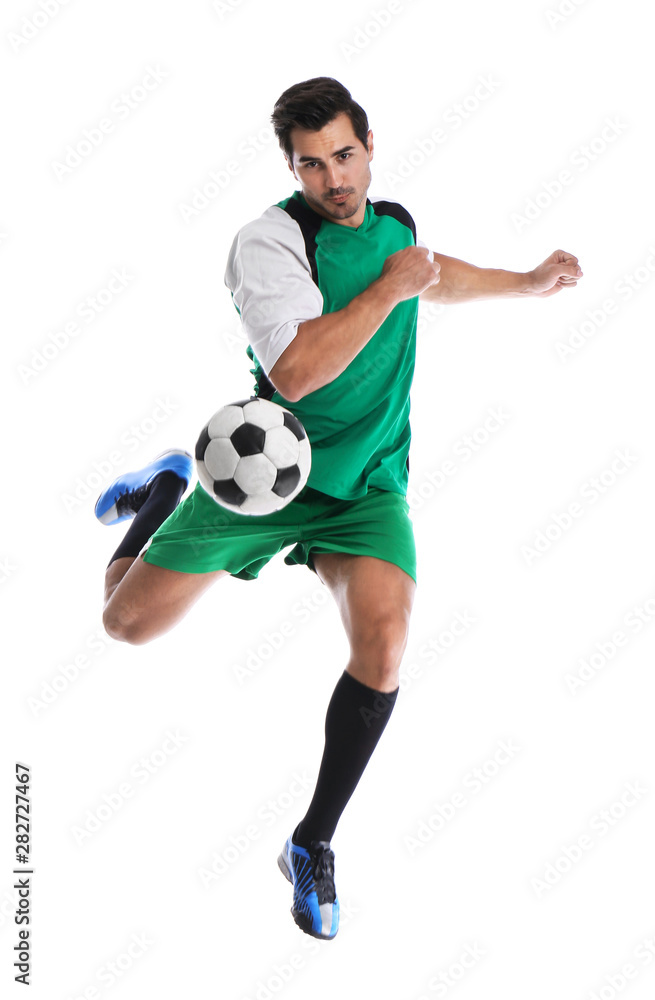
253 456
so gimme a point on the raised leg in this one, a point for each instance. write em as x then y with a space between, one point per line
143 601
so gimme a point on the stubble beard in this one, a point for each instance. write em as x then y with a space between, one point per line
345 211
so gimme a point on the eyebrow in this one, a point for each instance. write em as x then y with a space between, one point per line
317 159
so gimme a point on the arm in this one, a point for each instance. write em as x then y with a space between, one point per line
325 346
462 282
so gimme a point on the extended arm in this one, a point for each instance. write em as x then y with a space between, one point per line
462 282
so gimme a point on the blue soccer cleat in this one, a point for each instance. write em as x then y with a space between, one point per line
127 494
315 905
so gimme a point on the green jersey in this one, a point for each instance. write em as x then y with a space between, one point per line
292 265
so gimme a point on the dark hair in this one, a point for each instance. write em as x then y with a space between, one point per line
311 105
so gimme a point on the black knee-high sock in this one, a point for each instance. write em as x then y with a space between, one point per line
163 497
355 721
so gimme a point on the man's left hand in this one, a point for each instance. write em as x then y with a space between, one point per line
558 271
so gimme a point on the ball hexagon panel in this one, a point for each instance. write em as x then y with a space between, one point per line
263 413
281 447
225 421
263 503
255 474
220 458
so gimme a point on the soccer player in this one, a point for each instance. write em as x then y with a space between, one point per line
327 284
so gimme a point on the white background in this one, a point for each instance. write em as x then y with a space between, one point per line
172 334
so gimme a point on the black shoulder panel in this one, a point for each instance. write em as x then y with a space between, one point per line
397 212
310 223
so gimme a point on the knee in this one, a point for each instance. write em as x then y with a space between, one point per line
123 628
381 651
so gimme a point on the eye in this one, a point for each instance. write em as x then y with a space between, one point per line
345 154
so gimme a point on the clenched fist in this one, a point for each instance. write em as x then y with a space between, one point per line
408 272
558 271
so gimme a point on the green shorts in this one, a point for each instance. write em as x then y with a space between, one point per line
201 536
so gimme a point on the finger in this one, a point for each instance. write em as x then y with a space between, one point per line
570 271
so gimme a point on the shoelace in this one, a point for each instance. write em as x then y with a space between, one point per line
323 874
131 499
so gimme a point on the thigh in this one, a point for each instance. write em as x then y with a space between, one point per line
375 600
365 588
150 599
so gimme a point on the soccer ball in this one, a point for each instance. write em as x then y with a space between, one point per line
253 456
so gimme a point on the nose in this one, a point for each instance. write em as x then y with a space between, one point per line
333 176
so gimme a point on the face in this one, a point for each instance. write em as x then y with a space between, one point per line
333 170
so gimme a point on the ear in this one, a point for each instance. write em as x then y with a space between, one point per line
369 140
290 166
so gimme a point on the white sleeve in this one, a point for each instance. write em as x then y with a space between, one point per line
271 282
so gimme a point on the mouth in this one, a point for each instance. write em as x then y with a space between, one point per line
338 199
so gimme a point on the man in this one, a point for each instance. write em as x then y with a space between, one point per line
327 284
